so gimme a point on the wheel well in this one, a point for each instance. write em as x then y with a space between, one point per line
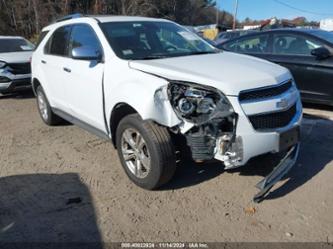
35 84
119 112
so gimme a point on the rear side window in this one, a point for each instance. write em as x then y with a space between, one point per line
294 44
83 36
58 43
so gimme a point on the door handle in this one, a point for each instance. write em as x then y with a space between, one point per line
44 62
66 69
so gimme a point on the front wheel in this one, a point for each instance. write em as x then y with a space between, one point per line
146 152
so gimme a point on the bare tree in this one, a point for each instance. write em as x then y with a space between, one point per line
35 9
28 17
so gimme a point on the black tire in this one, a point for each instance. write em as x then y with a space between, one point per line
161 151
50 118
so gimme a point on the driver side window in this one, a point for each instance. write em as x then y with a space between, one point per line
84 36
289 44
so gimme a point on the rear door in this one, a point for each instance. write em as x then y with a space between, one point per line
84 79
52 61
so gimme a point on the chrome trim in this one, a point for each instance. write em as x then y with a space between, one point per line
270 104
264 88
313 92
293 97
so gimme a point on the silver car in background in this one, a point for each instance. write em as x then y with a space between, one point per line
15 70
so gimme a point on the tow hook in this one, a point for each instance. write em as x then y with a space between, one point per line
286 163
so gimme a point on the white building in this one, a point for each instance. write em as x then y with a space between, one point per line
327 24
249 27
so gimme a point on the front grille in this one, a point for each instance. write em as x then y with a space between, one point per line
266 92
273 120
20 68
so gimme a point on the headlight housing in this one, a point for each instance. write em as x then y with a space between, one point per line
2 64
197 103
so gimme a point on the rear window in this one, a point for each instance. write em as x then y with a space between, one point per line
10 45
41 38
58 44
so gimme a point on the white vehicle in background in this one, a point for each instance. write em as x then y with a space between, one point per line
146 84
327 24
15 70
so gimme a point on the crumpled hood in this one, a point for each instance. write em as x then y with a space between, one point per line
16 57
228 72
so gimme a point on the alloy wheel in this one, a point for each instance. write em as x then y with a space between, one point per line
135 153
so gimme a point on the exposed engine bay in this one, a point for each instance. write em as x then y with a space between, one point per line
214 122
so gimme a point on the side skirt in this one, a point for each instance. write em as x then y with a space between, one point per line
81 124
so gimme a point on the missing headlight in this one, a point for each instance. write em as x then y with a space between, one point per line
198 104
210 113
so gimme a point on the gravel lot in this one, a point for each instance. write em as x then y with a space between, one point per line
64 184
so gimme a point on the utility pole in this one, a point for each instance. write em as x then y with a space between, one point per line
217 13
235 15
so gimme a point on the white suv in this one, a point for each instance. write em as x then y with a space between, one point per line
146 84
15 55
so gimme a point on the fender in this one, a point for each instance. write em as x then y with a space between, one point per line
143 92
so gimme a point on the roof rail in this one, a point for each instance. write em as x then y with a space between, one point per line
69 17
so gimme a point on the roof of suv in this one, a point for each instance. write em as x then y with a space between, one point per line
125 18
104 19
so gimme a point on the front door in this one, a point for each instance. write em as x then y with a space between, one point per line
313 77
84 83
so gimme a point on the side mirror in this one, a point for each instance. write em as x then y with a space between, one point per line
86 53
321 53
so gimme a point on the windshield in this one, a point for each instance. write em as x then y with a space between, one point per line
9 45
328 36
153 40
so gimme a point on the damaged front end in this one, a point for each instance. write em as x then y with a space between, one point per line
209 122
286 163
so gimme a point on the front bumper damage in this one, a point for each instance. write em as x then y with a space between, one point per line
241 143
230 151
286 163
232 136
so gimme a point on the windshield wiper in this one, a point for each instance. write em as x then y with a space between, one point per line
203 52
152 57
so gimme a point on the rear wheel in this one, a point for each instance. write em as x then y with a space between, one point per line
146 152
44 108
